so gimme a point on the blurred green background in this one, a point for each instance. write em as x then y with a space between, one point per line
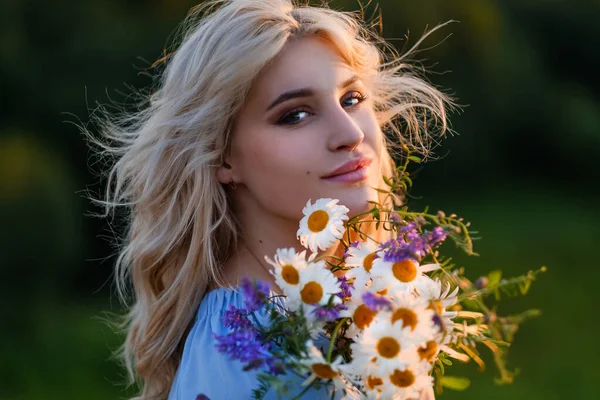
523 169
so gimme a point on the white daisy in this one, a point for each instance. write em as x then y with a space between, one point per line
370 381
429 351
361 315
383 347
322 224
373 386
408 383
287 267
455 335
444 347
360 258
464 331
413 312
403 275
316 286
441 343
320 368
431 290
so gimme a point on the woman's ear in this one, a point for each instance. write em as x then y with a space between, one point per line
224 173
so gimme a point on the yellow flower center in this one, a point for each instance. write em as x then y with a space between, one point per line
402 378
290 274
373 381
317 221
404 271
363 316
324 371
429 351
408 317
436 306
368 262
388 347
311 293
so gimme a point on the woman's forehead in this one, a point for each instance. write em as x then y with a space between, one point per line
304 63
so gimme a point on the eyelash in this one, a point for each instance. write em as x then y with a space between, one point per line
355 95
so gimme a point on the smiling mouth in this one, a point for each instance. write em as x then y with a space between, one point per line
352 172
349 167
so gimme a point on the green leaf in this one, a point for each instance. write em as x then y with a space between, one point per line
442 368
525 287
494 277
375 212
455 382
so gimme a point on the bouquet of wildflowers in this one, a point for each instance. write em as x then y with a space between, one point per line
385 320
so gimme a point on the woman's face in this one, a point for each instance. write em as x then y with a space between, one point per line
304 119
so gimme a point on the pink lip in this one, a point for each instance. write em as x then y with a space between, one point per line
350 172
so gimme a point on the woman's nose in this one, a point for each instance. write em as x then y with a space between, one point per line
345 134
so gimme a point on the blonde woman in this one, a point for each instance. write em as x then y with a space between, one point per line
264 105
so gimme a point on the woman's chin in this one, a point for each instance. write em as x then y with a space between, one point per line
357 201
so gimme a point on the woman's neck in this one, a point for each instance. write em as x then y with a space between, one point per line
262 233
248 261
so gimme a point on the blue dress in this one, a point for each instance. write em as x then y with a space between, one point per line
204 370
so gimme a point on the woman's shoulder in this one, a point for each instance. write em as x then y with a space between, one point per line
202 369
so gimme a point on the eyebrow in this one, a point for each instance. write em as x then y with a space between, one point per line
307 92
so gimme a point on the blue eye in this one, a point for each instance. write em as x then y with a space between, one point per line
296 116
292 117
357 97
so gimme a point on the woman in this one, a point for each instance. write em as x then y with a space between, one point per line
265 105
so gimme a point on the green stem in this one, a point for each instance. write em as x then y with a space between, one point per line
356 218
333 337
304 390
505 282
372 238
324 256
434 219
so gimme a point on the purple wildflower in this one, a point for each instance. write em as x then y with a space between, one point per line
481 282
413 235
243 345
202 396
437 236
255 294
395 218
328 313
236 318
375 302
413 245
437 321
275 366
345 286
408 227
396 250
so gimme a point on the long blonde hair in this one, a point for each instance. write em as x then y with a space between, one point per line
179 227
